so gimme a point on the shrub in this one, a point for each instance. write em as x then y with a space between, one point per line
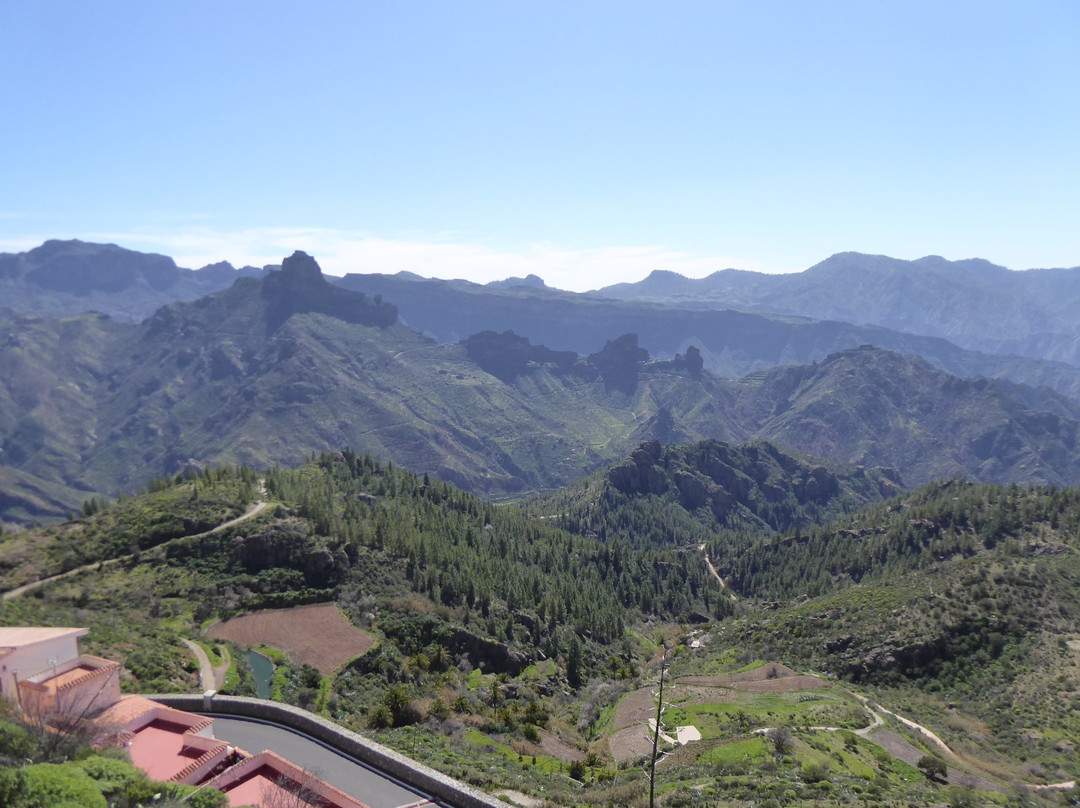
438 710
851 740
379 717
535 714
119 781
781 740
934 768
961 798
17 743
402 711
57 784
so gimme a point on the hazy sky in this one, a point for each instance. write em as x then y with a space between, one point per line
587 142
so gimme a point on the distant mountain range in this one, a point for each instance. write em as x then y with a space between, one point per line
276 367
732 343
62 278
974 304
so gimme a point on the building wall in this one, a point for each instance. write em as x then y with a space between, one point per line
93 695
30 660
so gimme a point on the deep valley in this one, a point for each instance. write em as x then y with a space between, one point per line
848 553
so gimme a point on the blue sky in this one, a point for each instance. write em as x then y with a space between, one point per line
588 142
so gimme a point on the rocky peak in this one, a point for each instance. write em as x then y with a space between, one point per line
300 287
301 267
531 281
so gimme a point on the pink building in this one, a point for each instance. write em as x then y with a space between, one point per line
43 673
169 745
268 777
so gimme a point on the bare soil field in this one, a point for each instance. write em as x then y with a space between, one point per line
788 685
631 743
635 708
902 749
318 635
558 748
773 670
772 678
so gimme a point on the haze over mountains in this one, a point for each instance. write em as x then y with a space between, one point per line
62 278
973 303
286 362
732 343
1003 326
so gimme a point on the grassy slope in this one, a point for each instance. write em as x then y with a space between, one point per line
961 645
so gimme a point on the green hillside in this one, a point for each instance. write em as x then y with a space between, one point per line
502 638
684 495
270 370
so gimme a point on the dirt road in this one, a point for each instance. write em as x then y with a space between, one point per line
251 512
714 573
210 678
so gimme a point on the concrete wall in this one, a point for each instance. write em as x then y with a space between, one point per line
417 775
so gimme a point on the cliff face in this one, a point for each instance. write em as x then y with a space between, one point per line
299 287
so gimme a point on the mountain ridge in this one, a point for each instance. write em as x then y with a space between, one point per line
271 369
64 278
770 330
974 303
732 343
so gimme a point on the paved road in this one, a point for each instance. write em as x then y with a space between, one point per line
352 777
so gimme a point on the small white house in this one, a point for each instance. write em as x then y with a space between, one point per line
42 670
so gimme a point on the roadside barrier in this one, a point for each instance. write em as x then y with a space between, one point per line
412 773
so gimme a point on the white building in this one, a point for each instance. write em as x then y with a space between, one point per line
42 671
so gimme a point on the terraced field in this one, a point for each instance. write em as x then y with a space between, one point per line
317 635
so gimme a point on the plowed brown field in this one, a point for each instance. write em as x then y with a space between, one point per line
317 635
774 678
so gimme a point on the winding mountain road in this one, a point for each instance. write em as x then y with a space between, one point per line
877 722
251 513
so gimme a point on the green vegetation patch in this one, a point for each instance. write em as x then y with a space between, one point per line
751 750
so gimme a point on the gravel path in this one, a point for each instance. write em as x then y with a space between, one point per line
715 574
